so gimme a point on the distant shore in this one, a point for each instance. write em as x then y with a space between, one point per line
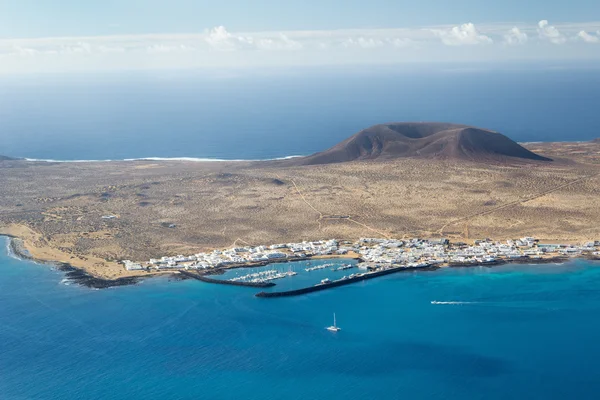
191 159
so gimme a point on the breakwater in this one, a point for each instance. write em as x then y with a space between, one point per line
520 260
476 264
206 279
529 260
330 285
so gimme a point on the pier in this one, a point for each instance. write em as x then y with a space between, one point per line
206 279
342 282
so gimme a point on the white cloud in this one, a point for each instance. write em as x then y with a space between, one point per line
282 42
400 42
163 48
23 51
365 43
465 34
376 42
77 48
220 39
515 37
219 47
588 38
550 33
110 49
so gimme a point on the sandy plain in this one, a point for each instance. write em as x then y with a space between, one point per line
57 208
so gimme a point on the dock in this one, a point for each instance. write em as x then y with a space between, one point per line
206 279
338 283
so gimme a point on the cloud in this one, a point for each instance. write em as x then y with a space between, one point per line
400 42
465 34
550 33
515 37
76 48
163 48
365 43
219 47
282 42
220 39
588 38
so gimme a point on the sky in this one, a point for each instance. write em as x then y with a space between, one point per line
39 36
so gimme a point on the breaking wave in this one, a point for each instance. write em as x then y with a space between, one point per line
453 302
193 159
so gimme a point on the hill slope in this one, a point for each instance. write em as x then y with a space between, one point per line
423 140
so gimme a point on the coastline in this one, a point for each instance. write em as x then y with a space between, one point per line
35 248
186 159
79 276
16 248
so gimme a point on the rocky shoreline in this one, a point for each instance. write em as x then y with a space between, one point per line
73 274
523 260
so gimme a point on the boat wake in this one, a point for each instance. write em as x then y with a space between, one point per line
454 303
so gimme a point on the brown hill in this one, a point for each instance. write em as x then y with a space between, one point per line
423 140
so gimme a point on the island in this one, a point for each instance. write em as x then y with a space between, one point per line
396 183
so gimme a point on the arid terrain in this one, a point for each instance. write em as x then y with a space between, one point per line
179 207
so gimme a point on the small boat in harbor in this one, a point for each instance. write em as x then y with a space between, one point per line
334 327
344 267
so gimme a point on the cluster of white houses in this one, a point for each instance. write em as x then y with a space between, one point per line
242 255
440 252
410 252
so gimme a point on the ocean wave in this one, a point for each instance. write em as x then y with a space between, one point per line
9 250
192 159
453 302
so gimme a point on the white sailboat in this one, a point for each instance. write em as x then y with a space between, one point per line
334 327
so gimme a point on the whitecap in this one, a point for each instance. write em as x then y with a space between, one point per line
192 159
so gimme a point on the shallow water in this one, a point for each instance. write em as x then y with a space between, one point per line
503 332
303 278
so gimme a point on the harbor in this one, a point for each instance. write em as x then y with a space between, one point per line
293 269
291 275
345 280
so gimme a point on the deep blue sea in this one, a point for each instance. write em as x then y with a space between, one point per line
507 332
281 113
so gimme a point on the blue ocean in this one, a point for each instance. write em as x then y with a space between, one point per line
476 333
274 114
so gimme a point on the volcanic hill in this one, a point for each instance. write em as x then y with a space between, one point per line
423 140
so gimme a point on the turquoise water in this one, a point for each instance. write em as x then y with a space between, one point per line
520 332
303 278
